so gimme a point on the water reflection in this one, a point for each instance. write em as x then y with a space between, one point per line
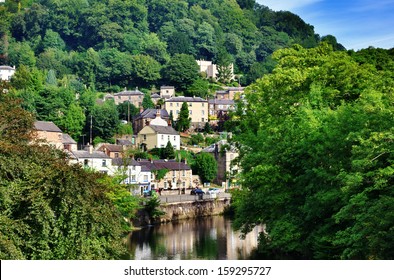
210 238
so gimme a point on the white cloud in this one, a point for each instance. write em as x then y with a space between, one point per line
286 5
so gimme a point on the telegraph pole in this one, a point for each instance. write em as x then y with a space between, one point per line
91 126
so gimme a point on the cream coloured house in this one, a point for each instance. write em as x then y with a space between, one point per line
6 72
157 136
198 108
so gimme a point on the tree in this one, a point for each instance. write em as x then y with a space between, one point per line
205 166
147 102
181 71
46 205
146 70
105 121
311 149
183 122
168 152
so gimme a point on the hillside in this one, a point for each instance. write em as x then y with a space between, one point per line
111 44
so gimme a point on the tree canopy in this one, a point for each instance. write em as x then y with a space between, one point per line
316 152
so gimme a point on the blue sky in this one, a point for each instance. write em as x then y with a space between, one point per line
356 24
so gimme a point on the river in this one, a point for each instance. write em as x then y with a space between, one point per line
210 238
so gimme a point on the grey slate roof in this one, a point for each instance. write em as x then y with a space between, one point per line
151 114
125 161
6 67
123 142
186 99
164 129
221 101
46 126
112 147
85 154
170 164
129 92
66 139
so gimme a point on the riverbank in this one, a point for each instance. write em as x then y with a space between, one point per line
184 210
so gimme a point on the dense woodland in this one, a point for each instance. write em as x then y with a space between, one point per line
315 133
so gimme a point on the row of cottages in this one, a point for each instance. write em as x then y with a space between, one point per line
198 109
143 174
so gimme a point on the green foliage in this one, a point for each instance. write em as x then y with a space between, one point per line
183 122
105 120
315 150
49 209
168 152
152 207
181 71
147 102
125 129
205 166
196 139
160 173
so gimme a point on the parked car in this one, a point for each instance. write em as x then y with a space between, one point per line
197 191
213 191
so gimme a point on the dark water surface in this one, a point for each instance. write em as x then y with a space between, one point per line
211 238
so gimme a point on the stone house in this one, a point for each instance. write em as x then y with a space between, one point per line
179 175
228 170
167 92
220 106
135 97
112 150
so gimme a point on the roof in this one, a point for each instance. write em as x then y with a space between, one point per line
159 164
151 114
167 87
129 92
186 99
86 154
221 101
46 126
236 88
112 148
123 142
6 67
164 129
66 139
154 95
125 161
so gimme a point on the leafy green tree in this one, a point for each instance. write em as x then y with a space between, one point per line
125 109
205 166
146 70
46 205
181 71
105 120
51 78
52 39
147 102
183 122
168 151
311 148
21 54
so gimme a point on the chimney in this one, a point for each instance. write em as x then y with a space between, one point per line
141 109
158 113
90 147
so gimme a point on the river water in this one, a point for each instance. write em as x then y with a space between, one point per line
211 238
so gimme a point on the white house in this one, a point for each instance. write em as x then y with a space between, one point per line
134 174
95 160
6 72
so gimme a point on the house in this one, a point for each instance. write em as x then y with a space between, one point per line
150 116
167 92
135 97
198 109
90 159
135 174
112 150
69 143
178 177
224 154
210 69
231 93
220 106
49 133
157 136
6 72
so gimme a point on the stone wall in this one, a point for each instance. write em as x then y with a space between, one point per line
185 210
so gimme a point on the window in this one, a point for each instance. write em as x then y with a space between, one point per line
202 119
184 173
202 104
203 112
104 164
116 155
145 178
190 112
190 104
177 104
165 185
133 168
86 163
183 183
174 138
133 178
177 112
162 137
171 104
171 112
168 138
144 136
173 173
